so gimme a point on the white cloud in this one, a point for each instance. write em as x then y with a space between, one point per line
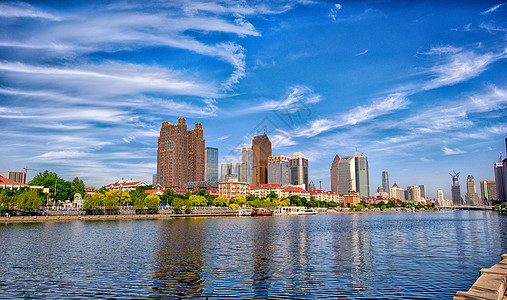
357 115
223 137
456 65
106 79
334 11
298 98
492 9
362 53
491 27
452 151
24 10
61 154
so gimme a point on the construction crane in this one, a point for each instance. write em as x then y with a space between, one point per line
26 171
455 175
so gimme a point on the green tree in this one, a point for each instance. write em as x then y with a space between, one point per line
28 200
272 195
77 186
221 201
93 202
167 197
112 200
198 200
6 200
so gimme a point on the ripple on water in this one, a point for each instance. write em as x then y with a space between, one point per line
369 256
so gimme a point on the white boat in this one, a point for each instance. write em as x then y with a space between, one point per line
304 211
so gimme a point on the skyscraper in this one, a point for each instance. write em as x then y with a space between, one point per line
422 187
299 170
471 197
499 180
279 170
261 151
415 193
180 156
311 186
488 190
455 189
247 165
211 159
232 169
334 174
440 197
385 181
346 175
397 193
362 175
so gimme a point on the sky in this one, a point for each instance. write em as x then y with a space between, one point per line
419 88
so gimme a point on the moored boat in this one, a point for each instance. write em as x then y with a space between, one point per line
305 211
261 212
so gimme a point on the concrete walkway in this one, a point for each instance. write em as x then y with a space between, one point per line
491 284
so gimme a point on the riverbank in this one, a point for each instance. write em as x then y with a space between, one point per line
37 219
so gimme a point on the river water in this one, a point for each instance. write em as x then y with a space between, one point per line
347 256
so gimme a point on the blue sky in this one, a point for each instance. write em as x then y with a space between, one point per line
419 88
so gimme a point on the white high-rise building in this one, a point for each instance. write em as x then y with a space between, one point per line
440 197
279 170
415 193
299 170
346 175
397 193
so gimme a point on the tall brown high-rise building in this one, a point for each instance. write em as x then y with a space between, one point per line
180 154
334 174
261 151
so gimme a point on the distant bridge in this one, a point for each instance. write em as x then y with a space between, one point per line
466 207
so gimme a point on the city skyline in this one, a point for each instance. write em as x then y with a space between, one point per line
419 90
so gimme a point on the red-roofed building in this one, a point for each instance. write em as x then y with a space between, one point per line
6 183
292 190
263 190
320 195
123 185
232 188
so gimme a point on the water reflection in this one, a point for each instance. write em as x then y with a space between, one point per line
373 256
179 259
262 257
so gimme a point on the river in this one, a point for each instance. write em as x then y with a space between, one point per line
337 256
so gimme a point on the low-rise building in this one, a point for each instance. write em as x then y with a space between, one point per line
295 191
263 190
123 185
8 184
232 188
351 197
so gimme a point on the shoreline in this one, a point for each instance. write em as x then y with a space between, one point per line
41 219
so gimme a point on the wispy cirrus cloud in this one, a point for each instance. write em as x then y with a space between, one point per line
356 115
452 151
492 9
362 53
24 10
455 65
105 79
297 98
